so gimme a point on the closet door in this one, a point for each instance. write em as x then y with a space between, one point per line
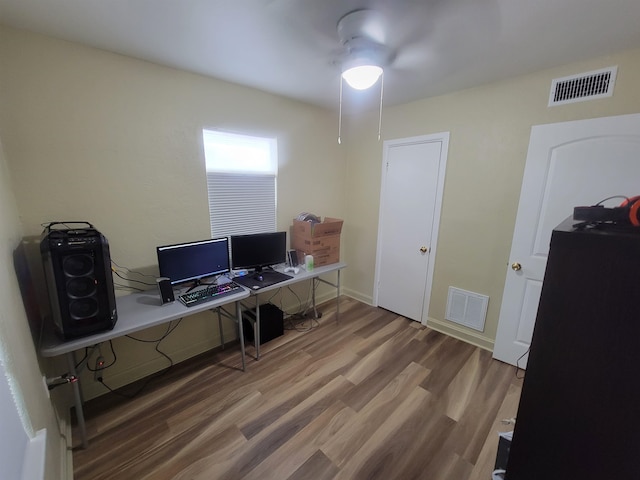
410 201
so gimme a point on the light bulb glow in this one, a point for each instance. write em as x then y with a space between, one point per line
362 77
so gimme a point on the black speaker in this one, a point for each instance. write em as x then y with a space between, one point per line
77 267
166 290
271 323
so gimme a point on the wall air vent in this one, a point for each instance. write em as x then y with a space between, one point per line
582 87
467 308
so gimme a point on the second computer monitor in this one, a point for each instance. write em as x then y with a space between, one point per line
193 261
258 250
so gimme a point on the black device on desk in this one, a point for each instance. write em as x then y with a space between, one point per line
259 251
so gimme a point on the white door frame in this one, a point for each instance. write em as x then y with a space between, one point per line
443 138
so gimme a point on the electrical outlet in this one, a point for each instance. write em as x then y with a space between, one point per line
99 370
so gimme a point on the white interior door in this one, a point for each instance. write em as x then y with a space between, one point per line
568 164
410 200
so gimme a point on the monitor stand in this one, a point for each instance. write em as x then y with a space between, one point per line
262 273
196 283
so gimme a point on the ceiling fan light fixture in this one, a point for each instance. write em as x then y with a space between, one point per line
362 35
362 77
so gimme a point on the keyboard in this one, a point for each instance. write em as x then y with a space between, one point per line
211 292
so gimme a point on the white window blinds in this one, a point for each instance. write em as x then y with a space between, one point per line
241 182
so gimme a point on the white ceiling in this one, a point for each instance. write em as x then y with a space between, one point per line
289 47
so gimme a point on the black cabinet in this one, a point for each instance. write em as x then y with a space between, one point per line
579 413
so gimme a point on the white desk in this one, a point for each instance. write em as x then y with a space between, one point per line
302 275
136 311
139 311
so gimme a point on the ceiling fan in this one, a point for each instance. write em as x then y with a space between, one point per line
365 54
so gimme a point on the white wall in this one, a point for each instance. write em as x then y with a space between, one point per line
17 350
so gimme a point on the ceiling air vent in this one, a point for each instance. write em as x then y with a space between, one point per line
582 87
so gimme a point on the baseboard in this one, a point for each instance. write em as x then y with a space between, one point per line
33 466
361 297
440 326
453 331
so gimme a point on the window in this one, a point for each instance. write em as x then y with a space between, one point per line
241 181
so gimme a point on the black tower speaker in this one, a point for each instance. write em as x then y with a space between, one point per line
578 416
77 267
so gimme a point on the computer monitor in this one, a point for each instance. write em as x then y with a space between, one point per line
258 250
193 261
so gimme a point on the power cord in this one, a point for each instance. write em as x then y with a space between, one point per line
170 329
295 320
61 380
114 265
518 368
128 270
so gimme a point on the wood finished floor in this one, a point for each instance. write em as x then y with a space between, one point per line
373 397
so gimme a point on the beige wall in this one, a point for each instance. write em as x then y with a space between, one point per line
17 351
95 136
490 128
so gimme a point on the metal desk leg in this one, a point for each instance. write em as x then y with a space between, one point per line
313 297
77 396
334 285
240 332
338 298
220 327
256 330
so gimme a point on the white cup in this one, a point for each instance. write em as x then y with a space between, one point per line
308 262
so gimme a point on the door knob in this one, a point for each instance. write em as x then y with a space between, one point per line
424 249
516 266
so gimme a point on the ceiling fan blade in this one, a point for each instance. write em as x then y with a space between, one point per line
440 36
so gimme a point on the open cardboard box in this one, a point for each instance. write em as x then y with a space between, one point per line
322 240
329 226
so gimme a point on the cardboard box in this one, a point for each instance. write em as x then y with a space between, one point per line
325 250
329 226
326 259
322 240
320 258
316 245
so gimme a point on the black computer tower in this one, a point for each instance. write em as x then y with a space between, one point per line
77 267
271 323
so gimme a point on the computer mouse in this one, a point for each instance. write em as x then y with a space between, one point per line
260 278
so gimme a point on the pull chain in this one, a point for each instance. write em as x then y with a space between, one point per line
340 114
380 113
381 93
